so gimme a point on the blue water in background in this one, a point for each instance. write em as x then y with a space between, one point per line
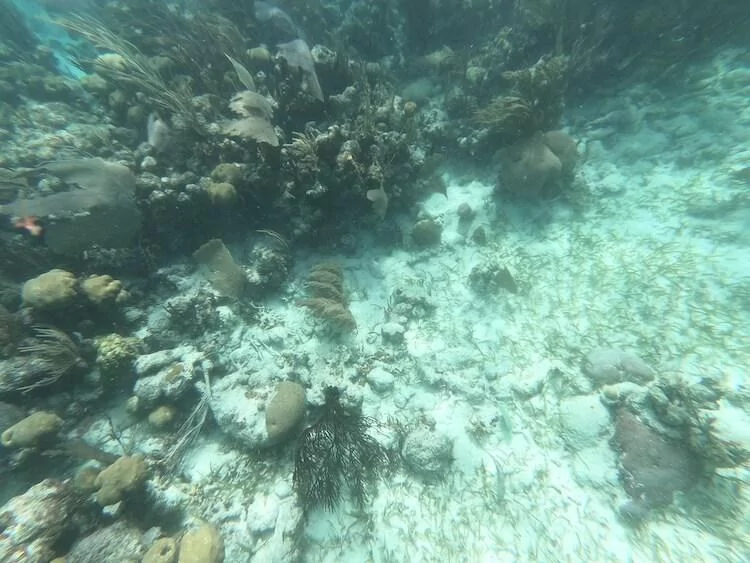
41 23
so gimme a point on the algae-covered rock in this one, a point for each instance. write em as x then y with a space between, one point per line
652 466
32 430
124 476
606 366
119 543
55 289
33 522
427 452
426 232
285 410
163 550
202 545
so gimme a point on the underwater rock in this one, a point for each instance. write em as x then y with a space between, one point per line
652 466
584 421
490 277
565 149
267 266
161 417
239 412
117 543
427 452
724 437
169 384
33 522
465 212
617 393
380 379
393 333
530 170
426 232
479 236
606 366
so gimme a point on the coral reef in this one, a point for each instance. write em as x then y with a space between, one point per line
375 134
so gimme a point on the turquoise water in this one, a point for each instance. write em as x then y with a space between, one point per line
552 378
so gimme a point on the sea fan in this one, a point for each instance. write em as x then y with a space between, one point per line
335 452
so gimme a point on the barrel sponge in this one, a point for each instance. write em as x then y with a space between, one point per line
55 289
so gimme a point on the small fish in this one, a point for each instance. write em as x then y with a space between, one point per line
30 224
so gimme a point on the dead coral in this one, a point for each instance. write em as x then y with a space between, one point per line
327 300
